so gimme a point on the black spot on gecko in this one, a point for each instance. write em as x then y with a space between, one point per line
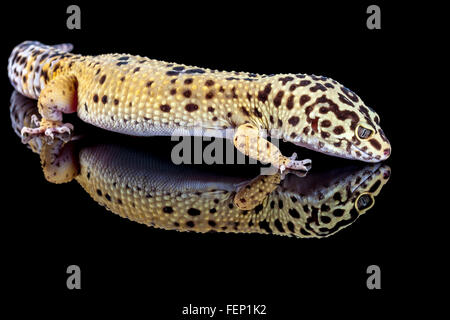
304 99
187 93
265 226
190 224
172 73
191 71
258 208
325 219
338 213
212 223
375 144
209 83
190 107
136 69
193 212
304 83
263 95
285 80
95 98
294 120
279 226
104 99
324 134
245 111
290 102
188 81
377 120
102 79
344 99
365 111
294 213
278 98
165 108
233 92
326 123
339 130
318 86
167 210
350 94
121 63
257 113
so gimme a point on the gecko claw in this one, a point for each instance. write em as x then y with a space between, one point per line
294 156
35 120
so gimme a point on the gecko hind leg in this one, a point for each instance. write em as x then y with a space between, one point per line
59 96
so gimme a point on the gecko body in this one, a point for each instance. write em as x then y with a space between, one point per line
144 97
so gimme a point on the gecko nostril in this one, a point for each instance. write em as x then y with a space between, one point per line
387 152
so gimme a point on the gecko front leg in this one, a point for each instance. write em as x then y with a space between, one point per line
248 140
59 96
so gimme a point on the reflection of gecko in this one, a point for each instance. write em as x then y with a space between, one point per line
143 97
134 184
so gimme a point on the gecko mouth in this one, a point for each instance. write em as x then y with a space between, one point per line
365 156
366 176
342 153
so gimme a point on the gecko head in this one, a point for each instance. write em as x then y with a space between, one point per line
340 124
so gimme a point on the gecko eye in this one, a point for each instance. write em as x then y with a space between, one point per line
364 201
363 132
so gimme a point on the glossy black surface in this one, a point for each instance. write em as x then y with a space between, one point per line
132 268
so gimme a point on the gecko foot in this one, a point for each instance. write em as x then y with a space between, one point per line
293 164
48 129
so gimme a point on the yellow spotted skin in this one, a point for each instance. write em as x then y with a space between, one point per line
143 97
134 184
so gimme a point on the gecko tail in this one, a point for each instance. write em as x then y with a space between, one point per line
66 47
31 65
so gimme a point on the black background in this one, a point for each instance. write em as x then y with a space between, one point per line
127 267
